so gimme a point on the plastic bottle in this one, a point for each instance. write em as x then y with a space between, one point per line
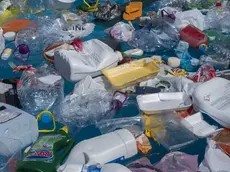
217 64
44 156
108 148
214 16
95 56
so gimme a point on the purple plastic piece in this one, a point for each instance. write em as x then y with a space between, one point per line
23 49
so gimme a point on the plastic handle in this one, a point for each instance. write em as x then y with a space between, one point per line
25 50
70 144
53 119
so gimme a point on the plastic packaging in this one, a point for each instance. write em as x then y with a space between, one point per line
204 73
41 89
45 155
94 57
178 4
212 98
121 32
214 16
158 36
168 130
108 148
196 124
17 124
10 154
2 41
128 74
134 124
88 104
163 102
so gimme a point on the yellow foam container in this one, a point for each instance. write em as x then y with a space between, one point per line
131 73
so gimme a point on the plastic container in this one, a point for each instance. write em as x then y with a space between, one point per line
193 36
95 56
17 124
108 148
163 102
196 124
131 73
167 129
10 154
45 153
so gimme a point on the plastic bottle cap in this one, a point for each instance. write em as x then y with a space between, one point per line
173 62
119 55
9 36
218 4
46 118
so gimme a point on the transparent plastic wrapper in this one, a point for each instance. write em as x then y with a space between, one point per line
2 41
10 154
41 90
168 130
88 104
134 124
178 161
201 4
225 24
178 4
159 36
40 33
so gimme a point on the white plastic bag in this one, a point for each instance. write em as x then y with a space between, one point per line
194 17
215 160
121 32
2 41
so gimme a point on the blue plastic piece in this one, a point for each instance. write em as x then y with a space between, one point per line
46 118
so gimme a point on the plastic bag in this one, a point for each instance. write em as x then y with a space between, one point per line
2 41
121 32
159 36
178 161
41 90
193 17
205 73
214 159
88 104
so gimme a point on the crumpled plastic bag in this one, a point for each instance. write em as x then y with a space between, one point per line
178 161
88 104
193 17
172 162
121 32
41 90
214 159
2 41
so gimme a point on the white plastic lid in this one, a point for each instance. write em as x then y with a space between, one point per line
9 36
129 141
119 55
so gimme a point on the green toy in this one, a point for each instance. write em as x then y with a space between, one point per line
44 155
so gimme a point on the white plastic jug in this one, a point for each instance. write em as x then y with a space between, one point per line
17 124
108 148
95 56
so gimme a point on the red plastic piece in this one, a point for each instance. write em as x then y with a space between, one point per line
193 36
218 4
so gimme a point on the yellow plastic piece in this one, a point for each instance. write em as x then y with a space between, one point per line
65 129
8 14
93 7
133 11
53 119
128 74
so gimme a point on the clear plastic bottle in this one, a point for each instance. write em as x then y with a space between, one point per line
214 15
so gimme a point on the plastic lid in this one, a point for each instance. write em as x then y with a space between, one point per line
218 4
119 55
10 36
129 140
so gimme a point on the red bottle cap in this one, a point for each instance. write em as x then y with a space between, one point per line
218 4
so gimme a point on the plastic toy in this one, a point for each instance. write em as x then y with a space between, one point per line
46 117
132 11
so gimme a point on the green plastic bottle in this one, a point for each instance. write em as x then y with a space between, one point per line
47 153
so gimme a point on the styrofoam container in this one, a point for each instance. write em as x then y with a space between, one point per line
196 124
163 102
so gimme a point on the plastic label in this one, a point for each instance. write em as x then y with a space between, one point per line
43 149
7 115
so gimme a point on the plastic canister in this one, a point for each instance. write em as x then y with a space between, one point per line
94 57
108 148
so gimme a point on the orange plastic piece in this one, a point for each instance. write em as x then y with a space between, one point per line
15 25
132 11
